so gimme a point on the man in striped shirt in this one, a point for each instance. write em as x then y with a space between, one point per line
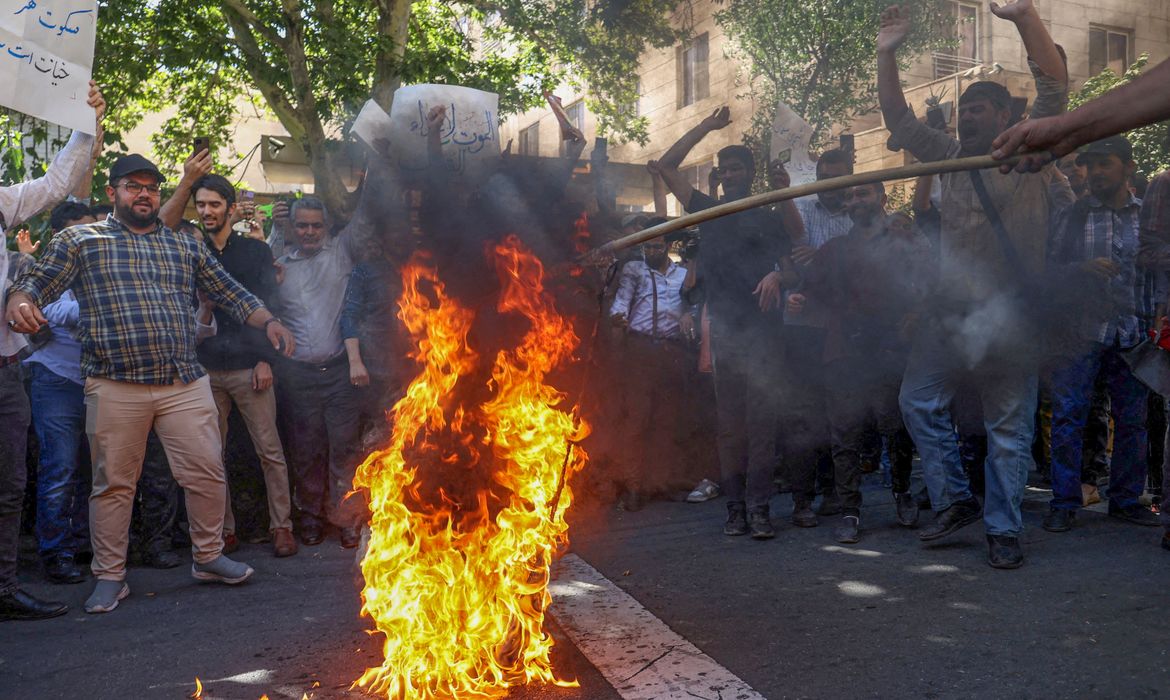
135 282
1100 234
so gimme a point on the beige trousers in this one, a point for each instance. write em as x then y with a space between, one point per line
118 417
258 409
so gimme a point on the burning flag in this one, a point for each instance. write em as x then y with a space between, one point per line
468 499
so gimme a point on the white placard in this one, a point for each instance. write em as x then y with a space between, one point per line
46 59
793 134
470 135
372 124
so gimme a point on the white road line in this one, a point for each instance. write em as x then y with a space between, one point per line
638 654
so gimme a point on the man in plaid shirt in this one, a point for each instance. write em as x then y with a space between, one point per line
135 282
1100 234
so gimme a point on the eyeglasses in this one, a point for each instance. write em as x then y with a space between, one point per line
136 188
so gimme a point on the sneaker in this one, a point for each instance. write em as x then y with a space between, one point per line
705 491
830 505
1003 552
1136 514
736 519
849 531
760 523
222 570
950 520
803 515
1059 520
106 595
906 508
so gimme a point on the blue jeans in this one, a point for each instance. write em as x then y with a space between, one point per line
1006 384
58 416
1072 392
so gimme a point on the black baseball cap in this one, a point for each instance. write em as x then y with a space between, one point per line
133 163
1114 145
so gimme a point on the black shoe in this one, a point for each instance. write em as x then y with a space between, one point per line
62 569
736 519
906 509
958 515
311 533
350 537
631 500
19 605
760 523
1059 520
849 531
1136 514
803 515
161 559
1003 552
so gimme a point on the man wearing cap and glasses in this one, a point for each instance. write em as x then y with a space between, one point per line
18 203
1100 235
135 282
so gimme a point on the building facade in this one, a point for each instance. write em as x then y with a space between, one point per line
680 85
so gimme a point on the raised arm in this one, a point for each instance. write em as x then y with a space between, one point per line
1037 42
1143 101
895 27
198 165
22 201
670 161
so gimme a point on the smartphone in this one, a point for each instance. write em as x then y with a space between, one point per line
202 143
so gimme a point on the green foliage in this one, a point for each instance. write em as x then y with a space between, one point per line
1150 143
313 63
818 56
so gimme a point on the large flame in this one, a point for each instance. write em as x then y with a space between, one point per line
456 576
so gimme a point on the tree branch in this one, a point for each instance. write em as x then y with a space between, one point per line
253 22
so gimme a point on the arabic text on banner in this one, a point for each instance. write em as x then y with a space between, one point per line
793 134
470 135
46 59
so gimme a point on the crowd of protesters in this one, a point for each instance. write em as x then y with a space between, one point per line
991 331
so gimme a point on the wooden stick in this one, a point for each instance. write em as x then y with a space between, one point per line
759 200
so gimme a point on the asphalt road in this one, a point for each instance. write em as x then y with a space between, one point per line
795 617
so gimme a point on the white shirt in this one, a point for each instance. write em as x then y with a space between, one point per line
635 299
27 199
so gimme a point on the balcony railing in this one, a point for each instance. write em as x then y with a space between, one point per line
948 64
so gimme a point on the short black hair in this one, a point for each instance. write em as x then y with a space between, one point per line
65 212
217 184
834 157
741 153
989 90
101 211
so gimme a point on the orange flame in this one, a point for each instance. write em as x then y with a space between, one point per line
459 588
198 694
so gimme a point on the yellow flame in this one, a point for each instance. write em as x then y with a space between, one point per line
198 694
459 589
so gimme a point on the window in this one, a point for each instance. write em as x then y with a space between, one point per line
530 140
963 28
692 71
698 175
630 109
576 116
1109 48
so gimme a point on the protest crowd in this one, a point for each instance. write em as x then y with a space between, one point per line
167 383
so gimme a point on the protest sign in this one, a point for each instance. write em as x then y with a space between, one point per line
372 126
46 59
470 136
792 134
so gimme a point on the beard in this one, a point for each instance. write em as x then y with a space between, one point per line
127 214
